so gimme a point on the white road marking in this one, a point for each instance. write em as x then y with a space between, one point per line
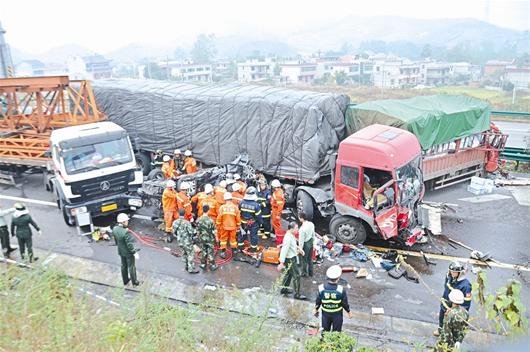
28 200
485 198
49 259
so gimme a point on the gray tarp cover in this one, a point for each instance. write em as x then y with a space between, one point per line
286 133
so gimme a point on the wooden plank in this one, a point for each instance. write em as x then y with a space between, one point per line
452 258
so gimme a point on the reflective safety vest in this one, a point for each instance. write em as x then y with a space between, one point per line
331 299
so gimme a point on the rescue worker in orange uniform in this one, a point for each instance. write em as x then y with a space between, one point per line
190 164
277 204
242 184
177 162
218 193
183 201
168 171
209 199
169 205
195 202
237 195
228 221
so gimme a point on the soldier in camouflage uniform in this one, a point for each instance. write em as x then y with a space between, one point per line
455 323
206 234
183 232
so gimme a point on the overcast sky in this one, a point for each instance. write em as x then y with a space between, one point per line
35 26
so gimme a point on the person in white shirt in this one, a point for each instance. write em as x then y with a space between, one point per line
306 239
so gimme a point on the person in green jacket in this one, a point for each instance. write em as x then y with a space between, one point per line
126 250
20 228
4 232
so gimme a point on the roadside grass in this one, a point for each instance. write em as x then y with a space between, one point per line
42 310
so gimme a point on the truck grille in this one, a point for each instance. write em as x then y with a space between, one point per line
102 186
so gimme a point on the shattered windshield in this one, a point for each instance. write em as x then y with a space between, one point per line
97 156
410 180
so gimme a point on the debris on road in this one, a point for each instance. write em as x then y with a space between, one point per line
378 311
479 186
362 273
513 182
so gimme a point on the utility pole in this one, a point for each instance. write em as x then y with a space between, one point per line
6 63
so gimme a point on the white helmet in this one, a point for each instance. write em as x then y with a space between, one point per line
236 187
222 183
237 177
177 151
166 158
334 272
187 153
227 196
275 184
208 188
170 184
184 186
456 296
122 217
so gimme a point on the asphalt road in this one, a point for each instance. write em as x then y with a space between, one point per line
498 226
517 131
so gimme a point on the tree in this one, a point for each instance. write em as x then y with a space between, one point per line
204 49
341 78
179 53
426 51
153 71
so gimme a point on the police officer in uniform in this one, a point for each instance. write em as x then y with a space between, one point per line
332 298
264 199
455 280
250 219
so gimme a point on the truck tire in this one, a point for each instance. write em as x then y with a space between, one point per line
144 162
155 174
347 229
304 203
67 219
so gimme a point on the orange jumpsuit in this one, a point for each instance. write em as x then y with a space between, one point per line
277 204
209 200
228 221
169 206
219 193
183 202
237 197
190 165
168 171
196 201
242 185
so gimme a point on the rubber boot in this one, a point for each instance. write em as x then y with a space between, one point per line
203 266
213 267
194 271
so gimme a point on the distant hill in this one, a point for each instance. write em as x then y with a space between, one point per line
244 46
61 53
437 32
136 52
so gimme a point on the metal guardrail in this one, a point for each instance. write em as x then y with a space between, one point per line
519 155
518 114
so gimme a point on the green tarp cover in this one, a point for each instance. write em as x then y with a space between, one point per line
434 119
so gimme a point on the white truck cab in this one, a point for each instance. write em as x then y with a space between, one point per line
94 170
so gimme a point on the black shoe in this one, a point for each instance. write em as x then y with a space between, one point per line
33 259
194 271
300 297
213 267
286 291
10 250
126 283
136 284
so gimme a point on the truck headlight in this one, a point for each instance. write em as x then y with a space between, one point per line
75 211
134 202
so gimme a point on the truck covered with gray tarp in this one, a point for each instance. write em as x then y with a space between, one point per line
286 133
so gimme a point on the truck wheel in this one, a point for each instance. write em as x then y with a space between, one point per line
67 219
155 175
144 161
348 230
304 203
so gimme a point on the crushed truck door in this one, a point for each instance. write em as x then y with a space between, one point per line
386 210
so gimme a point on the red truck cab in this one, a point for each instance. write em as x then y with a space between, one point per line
378 185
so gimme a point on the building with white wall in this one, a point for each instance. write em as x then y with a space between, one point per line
255 70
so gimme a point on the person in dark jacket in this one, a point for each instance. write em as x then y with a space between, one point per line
20 228
126 250
332 298
4 232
